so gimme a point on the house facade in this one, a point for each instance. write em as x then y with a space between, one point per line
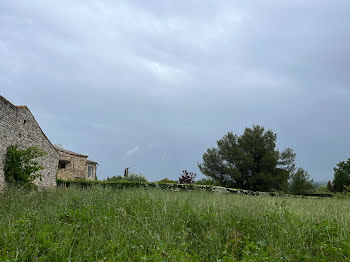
73 166
19 127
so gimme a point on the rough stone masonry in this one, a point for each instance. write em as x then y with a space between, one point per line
19 127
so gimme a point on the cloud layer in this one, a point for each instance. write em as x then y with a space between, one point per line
172 77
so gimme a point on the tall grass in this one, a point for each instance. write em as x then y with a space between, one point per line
99 224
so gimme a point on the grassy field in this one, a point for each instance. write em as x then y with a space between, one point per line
99 224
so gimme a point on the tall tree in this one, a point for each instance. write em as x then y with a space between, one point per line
341 176
250 161
300 182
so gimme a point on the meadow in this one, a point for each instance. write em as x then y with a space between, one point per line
105 224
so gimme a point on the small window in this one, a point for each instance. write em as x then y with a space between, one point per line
62 164
90 171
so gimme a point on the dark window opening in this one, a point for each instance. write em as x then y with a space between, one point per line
62 164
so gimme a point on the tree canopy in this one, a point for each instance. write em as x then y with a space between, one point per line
341 176
300 182
250 161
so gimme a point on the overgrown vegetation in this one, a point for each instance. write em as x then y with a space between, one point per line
101 224
21 166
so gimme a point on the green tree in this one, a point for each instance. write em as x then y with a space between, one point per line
300 182
21 165
250 161
341 176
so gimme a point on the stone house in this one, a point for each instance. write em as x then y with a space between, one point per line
19 127
73 165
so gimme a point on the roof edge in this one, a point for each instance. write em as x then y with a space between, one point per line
6 101
26 108
69 152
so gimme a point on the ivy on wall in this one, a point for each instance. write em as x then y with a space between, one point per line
21 166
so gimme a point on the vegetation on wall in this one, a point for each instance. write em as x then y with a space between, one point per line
21 166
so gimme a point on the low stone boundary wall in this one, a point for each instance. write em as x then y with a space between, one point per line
176 187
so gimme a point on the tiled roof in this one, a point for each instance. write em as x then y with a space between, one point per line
60 149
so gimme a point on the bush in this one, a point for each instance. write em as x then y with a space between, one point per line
114 178
321 190
167 181
131 178
329 186
207 182
20 167
187 177
135 178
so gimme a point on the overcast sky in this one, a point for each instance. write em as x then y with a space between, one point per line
152 84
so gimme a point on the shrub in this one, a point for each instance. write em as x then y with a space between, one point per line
135 178
187 177
21 168
167 181
207 182
330 186
114 178
131 178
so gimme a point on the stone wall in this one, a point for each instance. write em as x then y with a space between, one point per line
76 167
19 127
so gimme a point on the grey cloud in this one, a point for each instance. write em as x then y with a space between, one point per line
102 76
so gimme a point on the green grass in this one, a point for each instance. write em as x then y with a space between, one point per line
97 224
